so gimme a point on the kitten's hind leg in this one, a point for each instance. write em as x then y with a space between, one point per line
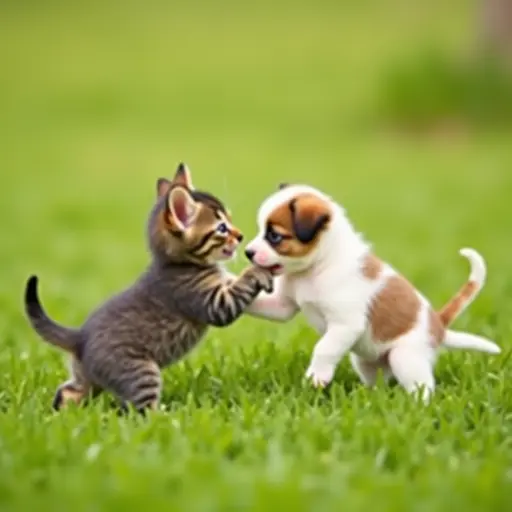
75 389
139 385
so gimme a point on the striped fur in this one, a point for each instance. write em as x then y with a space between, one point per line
125 343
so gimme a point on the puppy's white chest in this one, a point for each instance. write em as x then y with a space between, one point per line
315 317
305 292
306 297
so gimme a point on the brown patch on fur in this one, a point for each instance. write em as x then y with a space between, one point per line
235 235
160 231
71 395
451 310
394 310
300 221
281 230
435 328
372 267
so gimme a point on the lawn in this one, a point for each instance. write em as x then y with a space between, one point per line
96 102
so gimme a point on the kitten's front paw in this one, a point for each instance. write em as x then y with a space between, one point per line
265 278
320 374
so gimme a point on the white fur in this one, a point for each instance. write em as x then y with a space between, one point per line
328 286
458 340
478 269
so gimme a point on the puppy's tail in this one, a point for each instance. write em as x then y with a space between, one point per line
466 341
463 298
63 337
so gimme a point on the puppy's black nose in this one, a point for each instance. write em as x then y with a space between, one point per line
250 253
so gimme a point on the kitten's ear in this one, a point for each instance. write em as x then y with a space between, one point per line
183 177
182 207
162 187
310 215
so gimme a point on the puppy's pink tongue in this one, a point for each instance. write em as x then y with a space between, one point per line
276 268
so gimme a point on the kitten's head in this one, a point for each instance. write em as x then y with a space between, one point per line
188 225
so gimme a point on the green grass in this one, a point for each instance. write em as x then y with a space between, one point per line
98 101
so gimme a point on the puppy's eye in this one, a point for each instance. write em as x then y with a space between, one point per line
273 237
222 228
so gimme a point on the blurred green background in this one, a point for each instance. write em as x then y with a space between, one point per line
98 99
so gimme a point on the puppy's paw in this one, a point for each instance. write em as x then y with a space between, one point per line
320 375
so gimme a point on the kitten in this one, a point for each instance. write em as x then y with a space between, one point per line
123 345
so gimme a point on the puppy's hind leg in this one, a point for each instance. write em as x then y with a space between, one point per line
413 369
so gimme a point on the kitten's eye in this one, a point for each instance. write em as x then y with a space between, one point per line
273 237
222 228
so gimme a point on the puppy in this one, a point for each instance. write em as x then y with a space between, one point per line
357 303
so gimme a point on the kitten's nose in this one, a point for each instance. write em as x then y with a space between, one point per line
239 237
250 253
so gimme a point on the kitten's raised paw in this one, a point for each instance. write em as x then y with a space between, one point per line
265 278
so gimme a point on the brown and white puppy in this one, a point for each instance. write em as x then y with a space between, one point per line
356 302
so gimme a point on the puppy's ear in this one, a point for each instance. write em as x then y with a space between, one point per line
310 215
283 185
183 177
182 207
162 187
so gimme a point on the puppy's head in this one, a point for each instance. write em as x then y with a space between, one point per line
291 224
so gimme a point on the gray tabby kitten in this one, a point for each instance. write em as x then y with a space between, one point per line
123 345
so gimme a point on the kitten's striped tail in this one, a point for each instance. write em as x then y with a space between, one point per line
50 331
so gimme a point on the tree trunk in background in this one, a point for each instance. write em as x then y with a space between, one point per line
496 27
